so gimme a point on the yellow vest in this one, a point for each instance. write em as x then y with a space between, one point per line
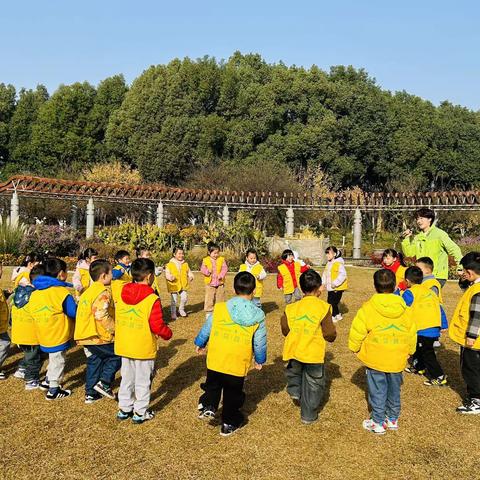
133 337
433 282
181 277
20 276
255 271
400 274
23 328
425 308
389 340
461 317
334 275
208 263
52 326
305 341
85 278
117 285
3 313
85 324
230 346
288 287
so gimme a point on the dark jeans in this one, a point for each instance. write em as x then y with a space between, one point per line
233 396
384 394
425 357
470 365
102 365
333 298
32 361
306 382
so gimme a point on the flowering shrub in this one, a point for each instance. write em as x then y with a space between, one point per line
56 240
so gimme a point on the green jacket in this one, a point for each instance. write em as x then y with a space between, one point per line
435 244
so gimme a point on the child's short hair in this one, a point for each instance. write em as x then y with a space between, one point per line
244 283
121 254
384 281
286 253
211 246
87 253
53 266
141 268
251 251
98 267
471 261
30 258
393 253
335 250
426 213
414 275
427 261
139 251
36 271
176 248
310 281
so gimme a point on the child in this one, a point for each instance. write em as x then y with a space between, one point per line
306 325
24 335
178 276
145 253
138 324
214 269
81 278
465 330
4 338
21 275
234 331
53 310
253 266
335 280
393 260
94 329
429 317
289 272
383 335
121 273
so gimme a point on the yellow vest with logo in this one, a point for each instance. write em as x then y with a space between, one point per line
52 326
23 328
3 313
255 271
181 277
20 277
459 323
425 307
389 341
433 282
133 337
334 275
208 263
230 347
305 341
288 287
85 324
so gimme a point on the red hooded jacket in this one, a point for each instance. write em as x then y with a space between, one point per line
394 267
133 293
291 269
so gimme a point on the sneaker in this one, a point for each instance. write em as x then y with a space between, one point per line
57 394
415 371
121 415
3 375
373 427
44 385
206 413
390 424
436 382
183 313
436 344
295 400
19 373
138 419
32 385
309 422
103 389
471 406
89 399
227 430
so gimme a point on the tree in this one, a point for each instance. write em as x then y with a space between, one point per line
7 107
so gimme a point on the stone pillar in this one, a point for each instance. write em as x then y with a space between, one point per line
90 218
225 216
74 220
289 223
357 234
14 210
160 215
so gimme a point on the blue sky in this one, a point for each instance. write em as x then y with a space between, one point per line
429 48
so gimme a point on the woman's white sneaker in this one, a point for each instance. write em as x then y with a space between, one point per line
373 427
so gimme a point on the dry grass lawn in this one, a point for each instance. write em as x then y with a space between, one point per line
68 439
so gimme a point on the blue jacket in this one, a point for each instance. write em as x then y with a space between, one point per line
432 332
22 295
116 273
42 282
245 313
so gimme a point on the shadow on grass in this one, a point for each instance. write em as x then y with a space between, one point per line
269 307
359 378
343 308
332 372
450 362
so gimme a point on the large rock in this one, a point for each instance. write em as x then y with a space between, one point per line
312 249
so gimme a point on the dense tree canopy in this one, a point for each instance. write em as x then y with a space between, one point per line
191 116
